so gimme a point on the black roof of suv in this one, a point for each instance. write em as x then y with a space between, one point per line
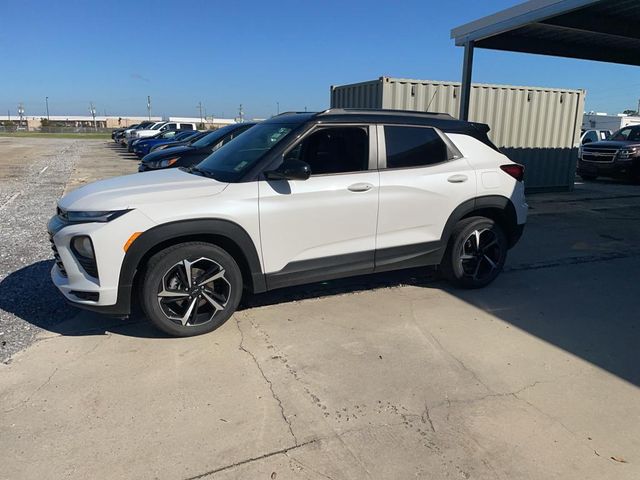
441 121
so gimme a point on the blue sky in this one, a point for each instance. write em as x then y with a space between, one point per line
257 53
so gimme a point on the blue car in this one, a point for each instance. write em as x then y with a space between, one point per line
142 146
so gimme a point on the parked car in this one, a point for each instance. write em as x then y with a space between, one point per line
142 146
192 153
130 134
618 157
594 135
121 134
188 141
162 128
298 198
119 130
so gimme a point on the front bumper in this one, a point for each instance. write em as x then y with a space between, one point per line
104 293
615 168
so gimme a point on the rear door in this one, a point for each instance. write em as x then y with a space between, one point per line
323 227
423 178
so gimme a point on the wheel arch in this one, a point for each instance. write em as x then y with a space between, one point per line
496 207
223 233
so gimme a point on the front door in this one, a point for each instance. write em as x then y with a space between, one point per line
323 227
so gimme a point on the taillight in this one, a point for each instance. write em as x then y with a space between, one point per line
515 170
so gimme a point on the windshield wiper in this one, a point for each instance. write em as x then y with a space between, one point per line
197 171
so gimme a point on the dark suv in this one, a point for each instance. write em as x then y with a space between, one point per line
619 156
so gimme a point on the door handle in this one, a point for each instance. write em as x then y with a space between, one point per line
360 187
457 178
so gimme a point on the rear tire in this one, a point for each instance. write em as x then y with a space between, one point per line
191 288
476 253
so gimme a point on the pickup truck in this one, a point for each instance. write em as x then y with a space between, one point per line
618 156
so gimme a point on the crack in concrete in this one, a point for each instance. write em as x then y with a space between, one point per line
426 417
32 394
282 451
269 383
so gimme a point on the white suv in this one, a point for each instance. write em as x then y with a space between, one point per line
299 198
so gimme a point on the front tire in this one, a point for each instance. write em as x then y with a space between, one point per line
476 253
191 288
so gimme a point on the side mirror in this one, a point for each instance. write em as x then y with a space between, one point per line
291 169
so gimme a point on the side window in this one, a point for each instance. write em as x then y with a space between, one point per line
591 136
413 147
186 126
334 150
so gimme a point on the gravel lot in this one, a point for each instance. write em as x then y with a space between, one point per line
34 173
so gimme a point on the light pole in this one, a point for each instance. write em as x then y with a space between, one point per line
149 106
46 99
277 108
92 110
200 108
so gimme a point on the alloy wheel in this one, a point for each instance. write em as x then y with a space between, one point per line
193 292
480 254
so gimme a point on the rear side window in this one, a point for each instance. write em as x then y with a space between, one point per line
413 147
186 126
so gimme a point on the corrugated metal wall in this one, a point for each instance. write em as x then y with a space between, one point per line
538 127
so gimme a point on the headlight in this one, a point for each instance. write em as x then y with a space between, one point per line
164 163
87 217
627 152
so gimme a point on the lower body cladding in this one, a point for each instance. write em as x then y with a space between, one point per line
629 169
93 288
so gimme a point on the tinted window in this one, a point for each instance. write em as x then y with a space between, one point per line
186 126
591 136
229 162
334 150
413 147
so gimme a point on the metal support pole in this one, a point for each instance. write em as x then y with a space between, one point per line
467 68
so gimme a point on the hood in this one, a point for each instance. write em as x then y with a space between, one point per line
611 144
167 153
132 191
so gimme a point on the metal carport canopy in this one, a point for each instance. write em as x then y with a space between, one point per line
603 30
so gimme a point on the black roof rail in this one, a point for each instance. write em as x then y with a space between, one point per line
290 113
381 111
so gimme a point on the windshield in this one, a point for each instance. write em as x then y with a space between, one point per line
157 126
627 134
229 162
212 137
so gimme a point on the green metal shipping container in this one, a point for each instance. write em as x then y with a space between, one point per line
535 126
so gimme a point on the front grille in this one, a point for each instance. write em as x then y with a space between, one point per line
598 154
56 256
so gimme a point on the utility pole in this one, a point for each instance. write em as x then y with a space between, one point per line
277 108
200 108
46 99
149 106
20 113
240 115
638 110
92 111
